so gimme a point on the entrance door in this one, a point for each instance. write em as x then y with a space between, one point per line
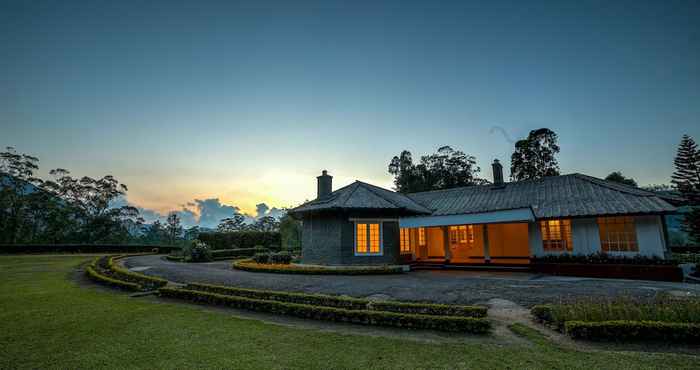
436 242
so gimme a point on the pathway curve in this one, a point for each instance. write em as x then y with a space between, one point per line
444 286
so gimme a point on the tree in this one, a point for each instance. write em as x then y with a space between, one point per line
17 182
290 233
534 157
231 224
445 169
686 178
192 233
154 233
173 228
619 178
266 223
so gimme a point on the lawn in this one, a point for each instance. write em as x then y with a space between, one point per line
49 321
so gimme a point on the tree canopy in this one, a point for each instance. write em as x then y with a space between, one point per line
686 178
619 178
534 156
447 168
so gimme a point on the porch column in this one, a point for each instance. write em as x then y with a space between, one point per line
446 243
487 254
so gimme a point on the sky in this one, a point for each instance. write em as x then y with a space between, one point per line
209 107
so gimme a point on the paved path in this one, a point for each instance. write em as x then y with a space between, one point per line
445 286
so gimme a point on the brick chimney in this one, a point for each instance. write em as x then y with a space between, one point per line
497 173
325 185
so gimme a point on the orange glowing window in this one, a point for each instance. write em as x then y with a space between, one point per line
368 238
463 234
405 240
421 236
617 234
556 235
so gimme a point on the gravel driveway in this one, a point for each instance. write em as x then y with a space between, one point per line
444 286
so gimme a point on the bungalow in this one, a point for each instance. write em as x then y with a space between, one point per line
503 223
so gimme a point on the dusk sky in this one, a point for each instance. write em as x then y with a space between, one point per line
248 101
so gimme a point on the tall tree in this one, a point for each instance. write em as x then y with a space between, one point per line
173 228
686 178
266 223
17 182
290 233
619 178
231 224
534 157
445 169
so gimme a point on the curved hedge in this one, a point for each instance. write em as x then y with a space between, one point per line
348 303
104 270
92 271
365 317
252 266
83 248
146 282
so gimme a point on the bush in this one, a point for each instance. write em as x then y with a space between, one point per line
95 273
196 251
145 282
281 258
602 258
348 303
622 330
254 266
260 249
261 258
240 239
686 257
81 248
542 313
366 317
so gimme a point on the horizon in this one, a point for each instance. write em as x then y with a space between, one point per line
238 105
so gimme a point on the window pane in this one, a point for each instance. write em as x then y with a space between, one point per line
405 240
617 234
361 235
556 235
421 236
374 238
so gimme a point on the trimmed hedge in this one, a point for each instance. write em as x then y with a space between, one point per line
602 259
543 313
634 330
249 265
83 248
242 239
365 317
94 275
144 281
233 253
348 303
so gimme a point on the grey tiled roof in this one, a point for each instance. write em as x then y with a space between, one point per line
360 195
556 196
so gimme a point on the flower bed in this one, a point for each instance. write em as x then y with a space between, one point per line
624 319
365 317
250 265
348 303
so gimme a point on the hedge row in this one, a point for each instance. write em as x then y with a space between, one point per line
249 265
634 330
347 303
83 248
365 317
144 281
93 273
235 253
242 239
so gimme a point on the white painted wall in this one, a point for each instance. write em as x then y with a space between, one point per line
586 238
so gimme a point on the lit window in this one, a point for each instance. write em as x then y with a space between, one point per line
405 240
556 235
421 236
463 234
367 238
617 234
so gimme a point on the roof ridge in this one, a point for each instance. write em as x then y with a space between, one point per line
370 188
351 192
622 188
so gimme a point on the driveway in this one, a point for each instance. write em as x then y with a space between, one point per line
444 286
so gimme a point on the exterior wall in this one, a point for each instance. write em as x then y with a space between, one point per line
650 236
329 239
585 236
535 239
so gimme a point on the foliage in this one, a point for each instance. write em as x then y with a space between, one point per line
145 282
98 277
365 317
281 258
445 169
196 251
686 178
621 330
534 157
81 248
348 303
232 224
173 228
233 253
602 258
240 239
261 257
253 266
619 178
686 257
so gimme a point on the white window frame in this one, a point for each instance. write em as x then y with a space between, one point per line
368 221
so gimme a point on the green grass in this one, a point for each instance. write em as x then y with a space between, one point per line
529 333
48 321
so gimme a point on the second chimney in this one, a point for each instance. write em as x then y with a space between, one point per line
325 185
497 173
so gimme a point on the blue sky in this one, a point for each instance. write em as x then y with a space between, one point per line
246 102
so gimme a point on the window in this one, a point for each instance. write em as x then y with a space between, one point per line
421 236
405 240
556 235
368 238
617 234
463 234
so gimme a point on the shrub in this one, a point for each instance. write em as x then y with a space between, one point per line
196 251
260 249
602 258
240 239
232 253
100 278
81 248
366 317
144 281
622 330
542 313
253 266
281 258
348 303
261 258
686 257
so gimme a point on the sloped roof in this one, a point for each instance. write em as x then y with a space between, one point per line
556 196
360 195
